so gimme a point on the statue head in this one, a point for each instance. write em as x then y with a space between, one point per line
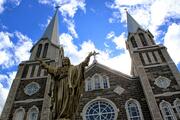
66 61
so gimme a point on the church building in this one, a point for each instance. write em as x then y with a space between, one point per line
152 92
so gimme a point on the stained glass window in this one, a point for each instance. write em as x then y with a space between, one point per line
177 106
100 110
19 114
97 82
167 111
133 110
33 113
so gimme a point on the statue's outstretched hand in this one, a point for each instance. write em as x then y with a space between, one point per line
91 54
39 60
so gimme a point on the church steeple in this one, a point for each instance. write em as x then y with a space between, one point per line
132 25
52 31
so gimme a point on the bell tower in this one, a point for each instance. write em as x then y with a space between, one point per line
29 97
158 74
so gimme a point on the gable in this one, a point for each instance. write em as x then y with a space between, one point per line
102 69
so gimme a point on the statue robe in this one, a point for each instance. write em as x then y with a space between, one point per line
68 88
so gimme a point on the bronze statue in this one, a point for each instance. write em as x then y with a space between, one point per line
67 87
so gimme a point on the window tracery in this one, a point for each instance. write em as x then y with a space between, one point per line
33 113
100 109
177 106
19 114
167 111
133 110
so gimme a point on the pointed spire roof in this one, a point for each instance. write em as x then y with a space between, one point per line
132 24
52 31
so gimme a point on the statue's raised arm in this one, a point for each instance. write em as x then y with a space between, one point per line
87 59
50 70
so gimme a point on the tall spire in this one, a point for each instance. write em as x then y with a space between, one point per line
52 31
132 24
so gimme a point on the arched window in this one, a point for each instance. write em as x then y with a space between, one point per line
151 38
45 50
133 110
88 83
19 114
33 113
97 81
177 106
100 109
105 82
39 50
143 39
134 44
167 111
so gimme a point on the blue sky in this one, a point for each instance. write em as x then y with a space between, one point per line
85 25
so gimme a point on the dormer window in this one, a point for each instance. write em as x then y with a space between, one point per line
89 85
96 82
105 82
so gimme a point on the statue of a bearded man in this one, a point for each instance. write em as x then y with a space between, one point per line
67 87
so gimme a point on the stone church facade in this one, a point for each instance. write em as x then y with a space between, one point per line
152 92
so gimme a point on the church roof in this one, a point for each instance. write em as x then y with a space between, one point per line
132 25
52 31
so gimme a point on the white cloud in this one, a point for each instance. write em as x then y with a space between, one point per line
13 2
172 41
5 90
71 8
5 40
3 96
2 5
5 46
77 55
149 13
12 53
71 27
43 26
68 9
110 35
6 59
22 47
118 40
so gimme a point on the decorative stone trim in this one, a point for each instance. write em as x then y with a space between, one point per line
29 100
119 90
162 82
167 94
31 88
